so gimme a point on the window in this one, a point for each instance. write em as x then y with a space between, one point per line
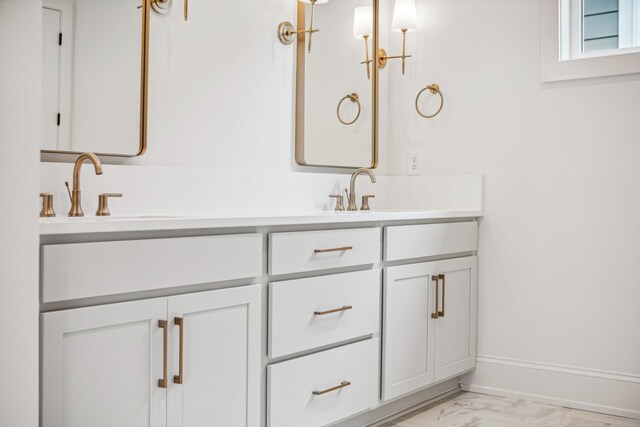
589 38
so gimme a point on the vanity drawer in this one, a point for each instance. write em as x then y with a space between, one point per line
310 313
319 250
417 241
82 270
291 386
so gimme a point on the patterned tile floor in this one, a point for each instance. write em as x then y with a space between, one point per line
479 410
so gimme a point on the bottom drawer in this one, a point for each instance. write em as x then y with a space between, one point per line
304 391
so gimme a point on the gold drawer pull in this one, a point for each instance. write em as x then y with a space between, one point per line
442 277
436 313
179 321
342 249
162 382
335 310
343 384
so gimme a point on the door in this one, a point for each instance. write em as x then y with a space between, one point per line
101 366
217 381
408 329
456 324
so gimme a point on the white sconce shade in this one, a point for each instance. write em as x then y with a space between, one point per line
362 21
316 2
404 15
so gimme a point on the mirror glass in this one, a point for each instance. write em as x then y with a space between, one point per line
94 76
336 108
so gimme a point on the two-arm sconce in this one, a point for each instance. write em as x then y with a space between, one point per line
286 31
404 20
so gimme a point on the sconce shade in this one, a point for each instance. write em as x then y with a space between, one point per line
362 21
317 1
404 15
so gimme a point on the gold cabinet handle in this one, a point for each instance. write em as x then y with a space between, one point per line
162 382
442 277
179 321
343 384
342 249
335 310
435 314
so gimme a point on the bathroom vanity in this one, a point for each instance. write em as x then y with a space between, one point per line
284 320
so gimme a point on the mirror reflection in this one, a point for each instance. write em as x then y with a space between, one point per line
336 85
94 57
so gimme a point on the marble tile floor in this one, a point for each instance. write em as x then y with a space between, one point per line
479 410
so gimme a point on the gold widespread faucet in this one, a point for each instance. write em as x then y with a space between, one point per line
352 186
76 208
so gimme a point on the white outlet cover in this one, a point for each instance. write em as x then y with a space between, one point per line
414 163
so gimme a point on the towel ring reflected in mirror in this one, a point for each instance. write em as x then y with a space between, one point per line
353 97
434 89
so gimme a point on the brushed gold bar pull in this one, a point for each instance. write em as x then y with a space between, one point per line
335 310
343 384
342 249
435 314
179 321
442 277
162 382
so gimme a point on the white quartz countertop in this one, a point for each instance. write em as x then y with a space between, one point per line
157 222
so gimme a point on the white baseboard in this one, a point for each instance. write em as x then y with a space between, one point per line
611 393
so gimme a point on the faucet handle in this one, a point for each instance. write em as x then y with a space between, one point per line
365 202
103 203
47 206
339 201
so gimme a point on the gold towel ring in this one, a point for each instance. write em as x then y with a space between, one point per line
353 98
433 88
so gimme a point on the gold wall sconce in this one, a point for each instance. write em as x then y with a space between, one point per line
404 20
286 31
362 29
162 7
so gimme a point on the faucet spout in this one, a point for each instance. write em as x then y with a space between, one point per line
352 186
76 208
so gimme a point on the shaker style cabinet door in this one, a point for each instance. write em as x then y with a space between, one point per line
215 358
456 325
408 329
101 366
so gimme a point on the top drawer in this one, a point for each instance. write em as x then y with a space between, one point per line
319 250
416 241
82 270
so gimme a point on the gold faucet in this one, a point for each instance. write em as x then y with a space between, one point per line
76 208
352 186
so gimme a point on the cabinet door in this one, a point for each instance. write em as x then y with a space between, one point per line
101 365
408 329
456 326
220 384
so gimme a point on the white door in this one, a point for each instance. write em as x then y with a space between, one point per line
101 366
217 383
51 30
408 329
456 325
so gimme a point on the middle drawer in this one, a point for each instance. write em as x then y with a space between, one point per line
317 311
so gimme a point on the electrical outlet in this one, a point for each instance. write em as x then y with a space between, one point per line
414 163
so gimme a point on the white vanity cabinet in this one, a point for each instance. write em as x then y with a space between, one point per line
120 364
429 326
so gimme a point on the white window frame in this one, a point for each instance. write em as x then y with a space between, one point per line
561 44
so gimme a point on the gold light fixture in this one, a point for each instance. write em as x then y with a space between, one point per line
404 20
362 29
286 31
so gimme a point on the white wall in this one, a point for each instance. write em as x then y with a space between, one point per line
560 243
20 81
